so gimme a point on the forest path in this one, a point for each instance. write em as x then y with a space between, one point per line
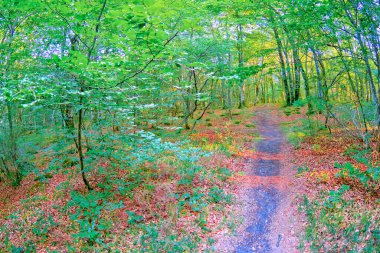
267 199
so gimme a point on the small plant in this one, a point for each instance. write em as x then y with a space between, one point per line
32 227
28 247
195 200
250 125
43 177
202 221
88 215
368 178
153 240
297 131
289 111
133 218
335 197
224 173
299 103
302 169
42 226
216 194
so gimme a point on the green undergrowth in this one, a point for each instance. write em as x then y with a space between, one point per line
296 131
170 195
345 217
336 223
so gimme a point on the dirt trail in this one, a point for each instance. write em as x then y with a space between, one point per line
266 193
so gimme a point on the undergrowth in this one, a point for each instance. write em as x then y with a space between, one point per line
342 211
151 194
336 223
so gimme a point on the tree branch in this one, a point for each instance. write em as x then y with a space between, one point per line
148 63
68 24
91 49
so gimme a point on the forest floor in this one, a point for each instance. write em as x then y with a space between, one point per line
266 192
270 183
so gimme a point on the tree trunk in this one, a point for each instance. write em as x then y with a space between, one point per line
12 138
79 141
241 64
282 64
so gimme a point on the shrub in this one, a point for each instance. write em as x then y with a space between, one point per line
89 210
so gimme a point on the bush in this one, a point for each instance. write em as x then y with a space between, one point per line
89 209
298 130
369 178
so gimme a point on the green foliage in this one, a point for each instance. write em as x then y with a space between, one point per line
299 104
335 224
302 169
292 110
335 197
251 125
154 240
223 173
218 195
28 248
298 130
369 178
133 218
89 211
42 226
194 200
334 218
245 72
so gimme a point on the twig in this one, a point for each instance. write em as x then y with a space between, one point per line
148 63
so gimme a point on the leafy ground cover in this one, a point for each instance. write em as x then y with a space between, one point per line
173 203
340 186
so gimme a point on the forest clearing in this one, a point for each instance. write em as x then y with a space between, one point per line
189 126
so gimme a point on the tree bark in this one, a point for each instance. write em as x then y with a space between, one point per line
282 65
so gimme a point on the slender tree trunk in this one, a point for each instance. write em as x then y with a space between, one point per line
241 63
12 139
297 63
79 141
224 95
283 69
229 97
297 77
289 76
318 72
306 82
